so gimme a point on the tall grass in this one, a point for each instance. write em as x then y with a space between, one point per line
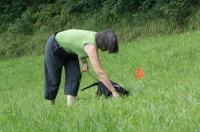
165 99
128 27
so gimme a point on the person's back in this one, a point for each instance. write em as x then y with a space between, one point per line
73 40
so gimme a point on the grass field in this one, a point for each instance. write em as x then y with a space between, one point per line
166 99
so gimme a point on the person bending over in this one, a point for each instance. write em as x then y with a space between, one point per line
64 49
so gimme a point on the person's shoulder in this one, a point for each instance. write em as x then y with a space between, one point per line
90 49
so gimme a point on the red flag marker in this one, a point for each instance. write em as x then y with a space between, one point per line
140 74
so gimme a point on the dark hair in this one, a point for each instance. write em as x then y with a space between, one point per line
108 40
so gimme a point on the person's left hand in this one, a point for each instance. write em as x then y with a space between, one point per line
85 67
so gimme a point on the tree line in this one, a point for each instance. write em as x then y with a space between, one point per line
20 14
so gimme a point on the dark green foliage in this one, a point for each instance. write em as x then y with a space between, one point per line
45 10
129 18
177 11
10 10
21 25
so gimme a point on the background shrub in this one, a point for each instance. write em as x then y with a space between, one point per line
33 21
22 25
178 11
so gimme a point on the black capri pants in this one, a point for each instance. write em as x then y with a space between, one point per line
54 60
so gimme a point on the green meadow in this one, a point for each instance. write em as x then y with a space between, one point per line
166 99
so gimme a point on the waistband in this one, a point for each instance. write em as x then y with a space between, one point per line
55 43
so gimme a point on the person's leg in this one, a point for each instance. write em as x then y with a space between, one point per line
72 79
53 69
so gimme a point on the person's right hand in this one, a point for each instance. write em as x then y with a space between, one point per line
85 67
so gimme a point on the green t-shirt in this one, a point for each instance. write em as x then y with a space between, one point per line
73 41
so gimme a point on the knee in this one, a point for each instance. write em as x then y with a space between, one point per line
77 76
55 84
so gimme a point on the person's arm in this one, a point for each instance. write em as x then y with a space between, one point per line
95 62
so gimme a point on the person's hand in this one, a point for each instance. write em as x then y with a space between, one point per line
115 94
85 67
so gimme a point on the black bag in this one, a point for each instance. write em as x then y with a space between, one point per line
102 89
